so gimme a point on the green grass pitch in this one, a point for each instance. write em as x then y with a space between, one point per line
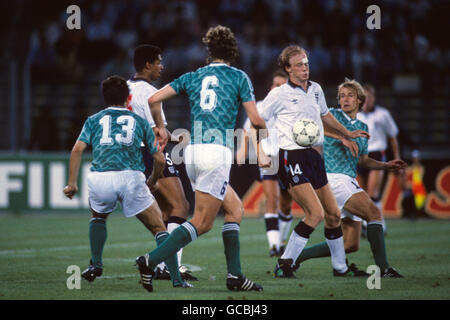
36 250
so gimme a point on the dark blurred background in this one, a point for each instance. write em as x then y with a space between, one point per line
50 75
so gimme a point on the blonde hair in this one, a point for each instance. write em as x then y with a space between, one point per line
354 85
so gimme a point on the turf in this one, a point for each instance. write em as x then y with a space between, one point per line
36 250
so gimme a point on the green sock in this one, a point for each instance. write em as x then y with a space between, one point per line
172 261
97 239
177 239
375 235
316 251
230 235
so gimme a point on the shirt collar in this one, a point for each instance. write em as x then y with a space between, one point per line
293 85
135 79
352 121
118 108
216 64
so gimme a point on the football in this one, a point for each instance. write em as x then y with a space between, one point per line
305 132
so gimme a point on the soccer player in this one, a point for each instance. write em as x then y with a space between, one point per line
170 194
269 182
302 170
341 166
383 130
115 135
215 92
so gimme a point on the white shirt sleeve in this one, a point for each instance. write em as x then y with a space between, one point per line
390 126
322 102
270 105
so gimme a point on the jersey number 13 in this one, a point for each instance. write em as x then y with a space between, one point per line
126 137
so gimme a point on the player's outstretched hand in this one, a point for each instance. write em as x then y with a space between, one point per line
352 146
70 190
359 133
396 165
161 137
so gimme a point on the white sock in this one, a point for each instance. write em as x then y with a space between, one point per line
170 227
294 247
337 251
273 235
284 224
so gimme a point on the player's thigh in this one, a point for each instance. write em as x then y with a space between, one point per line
151 218
232 206
205 211
362 206
352 234
305 196
171 196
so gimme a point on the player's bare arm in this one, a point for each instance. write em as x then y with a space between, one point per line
350 144
155 108
253 114
393 142
331 123
393 165
157 172
260 128
74 168
242 152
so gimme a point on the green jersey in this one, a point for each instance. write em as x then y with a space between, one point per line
338 158
115 135
215 93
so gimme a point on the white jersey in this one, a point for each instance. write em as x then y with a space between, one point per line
288 103
381 127
140 91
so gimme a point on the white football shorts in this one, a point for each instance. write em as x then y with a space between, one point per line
128 187
343 187
208 168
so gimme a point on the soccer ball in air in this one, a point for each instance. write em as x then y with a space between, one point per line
305 132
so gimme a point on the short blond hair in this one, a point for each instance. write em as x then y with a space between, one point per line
354 85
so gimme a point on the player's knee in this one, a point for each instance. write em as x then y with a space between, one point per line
333 218
203 225
315 216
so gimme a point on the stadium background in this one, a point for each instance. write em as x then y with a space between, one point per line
50 76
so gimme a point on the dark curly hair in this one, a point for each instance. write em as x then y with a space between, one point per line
221 44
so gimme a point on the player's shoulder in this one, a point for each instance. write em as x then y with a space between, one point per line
361 124
336 112
383 111
315 86
280 90
140 86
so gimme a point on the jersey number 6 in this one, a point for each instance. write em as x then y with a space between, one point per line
208 98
